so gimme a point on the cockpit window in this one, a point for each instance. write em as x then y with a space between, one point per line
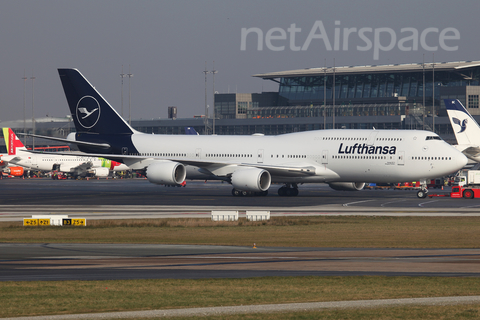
433 138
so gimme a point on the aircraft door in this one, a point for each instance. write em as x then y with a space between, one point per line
260 156
325 157
401 158
198 153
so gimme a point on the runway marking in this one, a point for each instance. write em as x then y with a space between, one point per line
421 204
383 204
478 205
347 204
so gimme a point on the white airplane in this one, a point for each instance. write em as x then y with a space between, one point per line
466 129
77 165
345 159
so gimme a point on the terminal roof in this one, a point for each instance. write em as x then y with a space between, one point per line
394 68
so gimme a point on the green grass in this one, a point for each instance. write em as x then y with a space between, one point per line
364 232
65 297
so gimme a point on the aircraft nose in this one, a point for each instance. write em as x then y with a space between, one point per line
460 159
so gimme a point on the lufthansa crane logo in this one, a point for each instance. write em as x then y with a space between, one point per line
88 112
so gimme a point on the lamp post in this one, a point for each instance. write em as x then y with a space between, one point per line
129 97
24 101
433 93
33 113
122 75
213 72
333 85
206 108
325 96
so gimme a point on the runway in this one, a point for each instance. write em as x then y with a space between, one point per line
137 198
47 262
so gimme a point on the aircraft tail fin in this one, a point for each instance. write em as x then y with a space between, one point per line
91 113
466 129
191 131
12 142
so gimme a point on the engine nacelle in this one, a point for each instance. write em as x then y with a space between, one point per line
251 179
347 186
100 172
166 172
15 171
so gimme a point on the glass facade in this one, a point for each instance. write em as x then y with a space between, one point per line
314 89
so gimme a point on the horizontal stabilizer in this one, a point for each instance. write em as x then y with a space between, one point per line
83 143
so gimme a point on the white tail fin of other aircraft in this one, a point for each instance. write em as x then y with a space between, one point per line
466 129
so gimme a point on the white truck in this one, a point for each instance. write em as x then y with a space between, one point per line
470 178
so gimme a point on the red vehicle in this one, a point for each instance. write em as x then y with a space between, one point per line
460 192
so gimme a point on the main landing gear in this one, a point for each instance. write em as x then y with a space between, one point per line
239 193
288 190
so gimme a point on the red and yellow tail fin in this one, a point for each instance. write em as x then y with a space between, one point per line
12 142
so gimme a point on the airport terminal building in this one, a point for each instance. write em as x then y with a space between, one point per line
397 96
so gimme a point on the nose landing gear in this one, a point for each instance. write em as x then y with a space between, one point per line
423 192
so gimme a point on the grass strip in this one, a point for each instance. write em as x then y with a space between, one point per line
323 231
68 297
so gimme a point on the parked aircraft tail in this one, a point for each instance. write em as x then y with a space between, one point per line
12 142
466 129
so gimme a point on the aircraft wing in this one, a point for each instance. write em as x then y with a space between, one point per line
82 168
471 152
288 170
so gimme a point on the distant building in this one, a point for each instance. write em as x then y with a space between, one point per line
172 112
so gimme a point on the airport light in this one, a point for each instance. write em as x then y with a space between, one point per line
129 97
213 72
122 75
325 95
24 101
423 66
433 93
333 110
206 108
33 113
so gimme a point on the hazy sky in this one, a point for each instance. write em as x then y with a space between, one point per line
166 44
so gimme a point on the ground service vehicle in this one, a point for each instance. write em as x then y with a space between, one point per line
460 192
469 178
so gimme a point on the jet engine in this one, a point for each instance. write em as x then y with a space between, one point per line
100 172
347 186
251 179
15 171
166 172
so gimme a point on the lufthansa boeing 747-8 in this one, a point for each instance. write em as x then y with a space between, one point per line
345 159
